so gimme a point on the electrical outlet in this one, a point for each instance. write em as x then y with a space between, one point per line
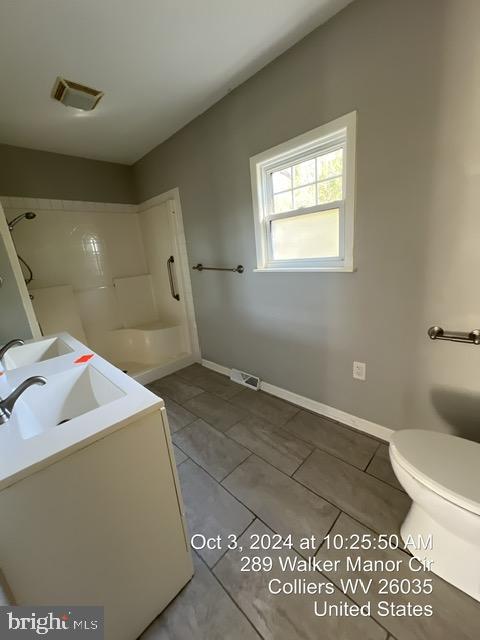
359 370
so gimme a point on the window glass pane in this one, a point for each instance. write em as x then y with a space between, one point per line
282 180
330 191
304 197
282 202
330 164
304 173
313 235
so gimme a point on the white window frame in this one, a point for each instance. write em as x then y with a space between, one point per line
340 133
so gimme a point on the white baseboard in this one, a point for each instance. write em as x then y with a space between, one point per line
219 368
361 424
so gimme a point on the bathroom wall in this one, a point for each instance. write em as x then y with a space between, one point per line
17 317
411 71
40 174
13 318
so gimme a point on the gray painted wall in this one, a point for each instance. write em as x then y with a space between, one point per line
40 174
13 318
411 71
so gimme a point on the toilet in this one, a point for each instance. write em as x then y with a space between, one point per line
441 474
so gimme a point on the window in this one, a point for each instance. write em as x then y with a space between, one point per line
303 195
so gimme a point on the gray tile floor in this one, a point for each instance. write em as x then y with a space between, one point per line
250 463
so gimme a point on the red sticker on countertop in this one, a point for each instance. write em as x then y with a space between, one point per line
83 359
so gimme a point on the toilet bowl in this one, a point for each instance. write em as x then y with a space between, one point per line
441 474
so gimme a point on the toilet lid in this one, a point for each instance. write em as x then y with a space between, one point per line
448 465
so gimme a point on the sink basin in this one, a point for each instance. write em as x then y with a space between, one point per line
66 396
33 352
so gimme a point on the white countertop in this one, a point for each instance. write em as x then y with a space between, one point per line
22 454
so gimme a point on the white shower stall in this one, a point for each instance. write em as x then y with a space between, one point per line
115 276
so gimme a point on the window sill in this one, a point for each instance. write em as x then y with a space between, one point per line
305 270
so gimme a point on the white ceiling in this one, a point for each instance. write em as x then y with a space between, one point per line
159 62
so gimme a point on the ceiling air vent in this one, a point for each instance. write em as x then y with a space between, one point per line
73 94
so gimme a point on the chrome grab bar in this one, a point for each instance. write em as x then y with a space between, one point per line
470 337
200 267
170 262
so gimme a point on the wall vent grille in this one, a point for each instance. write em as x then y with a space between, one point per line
247 379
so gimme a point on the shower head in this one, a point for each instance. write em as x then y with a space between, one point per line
29 215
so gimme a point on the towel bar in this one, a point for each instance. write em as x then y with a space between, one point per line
470 337
200 267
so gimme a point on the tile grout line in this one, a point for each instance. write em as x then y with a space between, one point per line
260 518
385 481
295 551
208 392
311 412
239 535
252 453
329 531
350 597
212 425
298 407
229 594
350 465
342 508
292 435
282 426
242 389
227 435
369 528
336 506
316 446
256 517
373 456
228 401
236 467
220 482
301 464
198 384
165 397
291 477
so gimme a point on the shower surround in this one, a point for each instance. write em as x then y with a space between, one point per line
101 274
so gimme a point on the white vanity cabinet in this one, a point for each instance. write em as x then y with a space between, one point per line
97 517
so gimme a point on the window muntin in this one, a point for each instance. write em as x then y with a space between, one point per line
307 183
311 189
304 200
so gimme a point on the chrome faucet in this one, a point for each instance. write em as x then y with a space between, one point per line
6 405
10 344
